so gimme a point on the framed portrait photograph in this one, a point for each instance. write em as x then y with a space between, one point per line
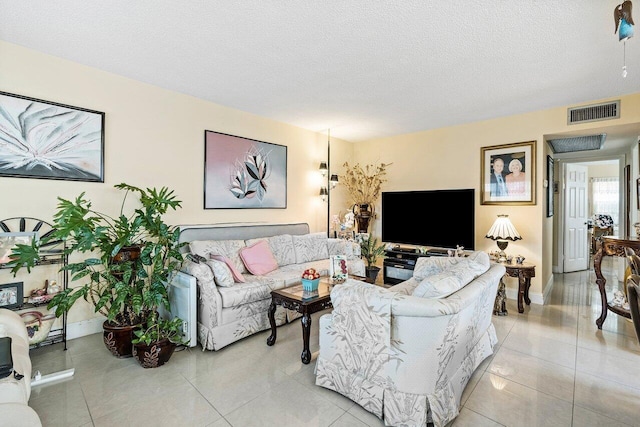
550 182
9 240
508 174
11 295
243 173
47 140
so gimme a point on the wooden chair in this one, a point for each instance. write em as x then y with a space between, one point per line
633 293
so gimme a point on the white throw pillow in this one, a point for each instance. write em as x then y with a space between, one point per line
452 279
221 273
311 247
428 266
226 248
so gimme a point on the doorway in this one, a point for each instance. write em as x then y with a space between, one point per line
589 187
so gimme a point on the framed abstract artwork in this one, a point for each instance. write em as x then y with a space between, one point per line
42 139
243 173
508 174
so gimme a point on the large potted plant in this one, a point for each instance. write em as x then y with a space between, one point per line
371 251
131 258
364 185
155 342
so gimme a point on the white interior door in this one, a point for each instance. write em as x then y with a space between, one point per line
576 253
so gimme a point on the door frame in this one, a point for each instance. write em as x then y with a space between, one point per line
559 222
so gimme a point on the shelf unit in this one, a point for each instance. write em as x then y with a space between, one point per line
52 253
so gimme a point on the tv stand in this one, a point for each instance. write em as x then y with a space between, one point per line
399 262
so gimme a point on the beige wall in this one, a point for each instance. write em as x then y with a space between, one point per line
450 158
155 137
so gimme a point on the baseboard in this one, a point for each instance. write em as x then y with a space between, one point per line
85 327
547 290
536 298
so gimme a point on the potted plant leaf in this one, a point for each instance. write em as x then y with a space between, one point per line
371 251
130 259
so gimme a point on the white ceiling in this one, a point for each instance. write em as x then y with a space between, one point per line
364 69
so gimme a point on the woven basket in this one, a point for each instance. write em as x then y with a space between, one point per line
38 325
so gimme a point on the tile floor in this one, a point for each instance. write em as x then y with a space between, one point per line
551 367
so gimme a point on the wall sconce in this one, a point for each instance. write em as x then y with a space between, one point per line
333 180
324 193
502 231
323 168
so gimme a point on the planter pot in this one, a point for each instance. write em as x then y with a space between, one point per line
372 273
117 339
154 355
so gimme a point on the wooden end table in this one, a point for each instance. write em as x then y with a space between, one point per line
524 272
306 303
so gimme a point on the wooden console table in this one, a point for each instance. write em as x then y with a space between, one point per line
612 246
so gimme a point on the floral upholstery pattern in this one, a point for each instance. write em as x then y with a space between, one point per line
227 248
229 313
428 266
310 247
414 378
221 273
446 282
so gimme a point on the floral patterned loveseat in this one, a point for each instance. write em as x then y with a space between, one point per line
230 311
407 352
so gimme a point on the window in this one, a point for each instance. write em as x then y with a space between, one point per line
604 192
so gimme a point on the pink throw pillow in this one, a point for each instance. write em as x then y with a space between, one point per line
237 276
258 258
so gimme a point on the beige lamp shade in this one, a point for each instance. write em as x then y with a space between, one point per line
502 231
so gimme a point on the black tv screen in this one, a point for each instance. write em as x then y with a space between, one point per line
436 218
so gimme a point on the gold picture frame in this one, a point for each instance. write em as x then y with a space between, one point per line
508 174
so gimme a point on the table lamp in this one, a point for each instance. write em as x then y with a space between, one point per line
502 231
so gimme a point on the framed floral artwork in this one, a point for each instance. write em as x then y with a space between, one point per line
47 140
243 173
508 174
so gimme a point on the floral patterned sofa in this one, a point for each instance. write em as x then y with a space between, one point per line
15 392
230 309
407 352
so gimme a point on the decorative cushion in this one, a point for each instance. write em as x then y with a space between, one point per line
237 276
221 273
445 283
226 248
310 247
343 247
281 246
428 266
258 258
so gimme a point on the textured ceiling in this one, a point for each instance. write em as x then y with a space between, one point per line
364 69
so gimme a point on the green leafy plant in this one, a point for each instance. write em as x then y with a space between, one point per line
157 329
131 257
371 250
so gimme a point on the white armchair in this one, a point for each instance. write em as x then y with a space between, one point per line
407 359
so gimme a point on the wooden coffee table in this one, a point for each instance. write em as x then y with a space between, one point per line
304 302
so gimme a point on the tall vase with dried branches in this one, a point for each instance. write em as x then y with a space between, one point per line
364 184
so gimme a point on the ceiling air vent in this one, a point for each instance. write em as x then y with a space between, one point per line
594 113
577 143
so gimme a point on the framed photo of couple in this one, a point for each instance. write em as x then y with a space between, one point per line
508 174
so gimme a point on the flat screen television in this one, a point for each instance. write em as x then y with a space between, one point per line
435 218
